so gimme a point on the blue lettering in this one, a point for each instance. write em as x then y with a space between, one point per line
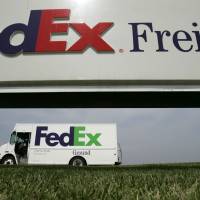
177 40
70 136
160 36
39 134
136 47
197 35
7 34
52 139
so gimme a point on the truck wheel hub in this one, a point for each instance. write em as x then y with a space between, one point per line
8 162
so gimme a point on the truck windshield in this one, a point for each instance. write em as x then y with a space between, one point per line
13 138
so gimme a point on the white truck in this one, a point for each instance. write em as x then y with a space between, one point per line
62 144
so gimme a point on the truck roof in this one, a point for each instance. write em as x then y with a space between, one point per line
26 127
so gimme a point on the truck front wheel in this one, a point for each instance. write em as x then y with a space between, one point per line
77 162
8 160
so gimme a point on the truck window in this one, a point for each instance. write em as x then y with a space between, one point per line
13 138
23 137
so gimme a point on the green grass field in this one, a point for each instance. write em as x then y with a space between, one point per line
178 181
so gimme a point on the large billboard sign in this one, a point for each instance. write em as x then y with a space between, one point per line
99 40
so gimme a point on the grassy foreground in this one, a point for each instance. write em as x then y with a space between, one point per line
135 182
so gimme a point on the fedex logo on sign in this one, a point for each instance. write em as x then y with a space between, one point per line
41 26
75 137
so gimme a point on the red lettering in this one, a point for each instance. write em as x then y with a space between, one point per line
48 27
91 37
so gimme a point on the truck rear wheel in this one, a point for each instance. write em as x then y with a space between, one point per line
77 162
8 160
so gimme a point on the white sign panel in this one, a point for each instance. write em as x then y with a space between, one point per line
99 40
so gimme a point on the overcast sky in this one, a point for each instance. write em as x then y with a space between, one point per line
145 135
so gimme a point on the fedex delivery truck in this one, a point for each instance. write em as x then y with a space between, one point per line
62 144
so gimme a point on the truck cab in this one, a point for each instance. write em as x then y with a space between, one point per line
16 150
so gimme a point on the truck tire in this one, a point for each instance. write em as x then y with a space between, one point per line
77 162
8 160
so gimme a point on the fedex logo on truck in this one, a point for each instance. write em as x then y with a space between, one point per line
41 26
75 137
